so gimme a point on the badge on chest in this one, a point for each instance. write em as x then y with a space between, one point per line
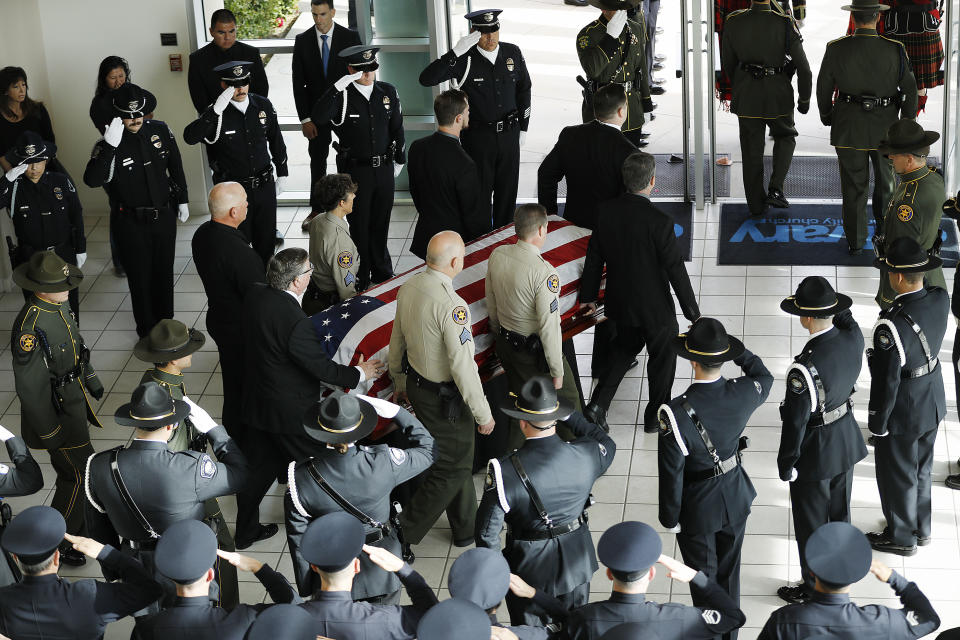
263 117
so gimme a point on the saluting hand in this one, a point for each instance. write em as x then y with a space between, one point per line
880 570
201 420
347 80
617 23
463 44
87 546
383 558
502 633
676 570
240 561
520 588
114 132
5 434
223 100
16 172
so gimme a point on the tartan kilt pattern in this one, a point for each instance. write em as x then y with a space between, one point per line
925 51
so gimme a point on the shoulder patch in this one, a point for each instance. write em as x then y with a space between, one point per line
710 616
27 342
554 305
665 426
603 449
4 469
758 387
398 456
208 468
583 41
345 260
465 336
884 338
904 213
460 315
795 382
553 283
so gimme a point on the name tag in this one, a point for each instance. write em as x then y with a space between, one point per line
354 115
146 163
230 132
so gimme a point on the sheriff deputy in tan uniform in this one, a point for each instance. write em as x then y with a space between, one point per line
332 251
431 363
523 304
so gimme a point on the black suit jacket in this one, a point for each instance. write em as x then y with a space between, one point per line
285 362
445 186
591 157
309 83
635 240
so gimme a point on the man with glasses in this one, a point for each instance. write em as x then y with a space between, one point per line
285 368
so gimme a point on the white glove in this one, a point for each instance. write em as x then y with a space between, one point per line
346 81
397 168
114 132
15 172
6 434
385 409
617 23
183 212
800 24
523 138
793 475
281 184
201 420
463 44
81 258
223 100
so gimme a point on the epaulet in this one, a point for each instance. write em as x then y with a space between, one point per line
738 12
891 40
592 25
838 39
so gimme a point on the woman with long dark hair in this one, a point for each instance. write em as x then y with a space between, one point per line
19 113
114 72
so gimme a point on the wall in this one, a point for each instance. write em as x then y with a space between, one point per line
61 44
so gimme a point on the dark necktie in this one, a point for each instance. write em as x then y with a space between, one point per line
325 52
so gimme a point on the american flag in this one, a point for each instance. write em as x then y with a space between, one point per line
361 326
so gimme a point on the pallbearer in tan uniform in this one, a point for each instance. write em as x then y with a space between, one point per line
170 346
431 363
523 292
332 251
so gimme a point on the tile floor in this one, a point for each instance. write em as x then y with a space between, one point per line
746 299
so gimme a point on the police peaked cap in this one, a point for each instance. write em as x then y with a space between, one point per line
629 547
235 73
838 553
131 101
481 576
332 541
283 622
186 551
454 618
34 534
30 148
362 57
485 20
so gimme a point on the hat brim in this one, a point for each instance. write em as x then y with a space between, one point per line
122 417
872 7
149 106
49 153
614 5
789 305
486 28
373 65
929 137
510 408
143 352
368 422
733 351
932 263
839 564
23 281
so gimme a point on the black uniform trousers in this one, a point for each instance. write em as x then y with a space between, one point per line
524 611
903 467
69 463
318 148
817 503
261 224
603 335
68 255
717 555
370 220
661 365
753 136
146 247
855 166
231 349
497 156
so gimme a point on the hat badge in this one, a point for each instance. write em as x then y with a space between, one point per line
238 70
367 54
66 270
30 149
133 104
488 17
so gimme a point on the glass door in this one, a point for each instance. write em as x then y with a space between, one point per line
951 98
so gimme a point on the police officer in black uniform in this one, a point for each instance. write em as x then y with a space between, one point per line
44 206
548 541
494 76
187 554
455 618
355 478
631 550
365 114
134 493
839 555
45 605
705 491
907 400
138 164
243 138
820 441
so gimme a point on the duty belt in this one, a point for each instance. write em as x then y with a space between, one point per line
759 71
868 103
420 381
70 376
140 545
720 467
531 535
143 214
931 363
627 85
506 124
257 180
823 418
372 161
519 341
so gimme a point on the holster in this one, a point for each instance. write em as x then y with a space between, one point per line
451 402
405 551
589 88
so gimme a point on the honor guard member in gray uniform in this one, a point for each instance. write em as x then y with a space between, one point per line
705 492
820 441
917 205
455 618
332 251
135 492
45 605
55 382
542 491
482 576
243 139
523 304
44 207
494 76
432 363
612 51
907 400
138 164
356 479
170 346
839 555
186 554
331 545
873 83
366 116
762 49
630 550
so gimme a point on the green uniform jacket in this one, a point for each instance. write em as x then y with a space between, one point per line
42 427
173 383
914 212
864 64
606 59
759 35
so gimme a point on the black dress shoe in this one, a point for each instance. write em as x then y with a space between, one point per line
633 364
644 135
651 428
656 90
263 533
922 541
675 159
953 481
642 143
854 252
794 594
659 57
881 542
657 66
70 556
872 441
775 198
597 415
